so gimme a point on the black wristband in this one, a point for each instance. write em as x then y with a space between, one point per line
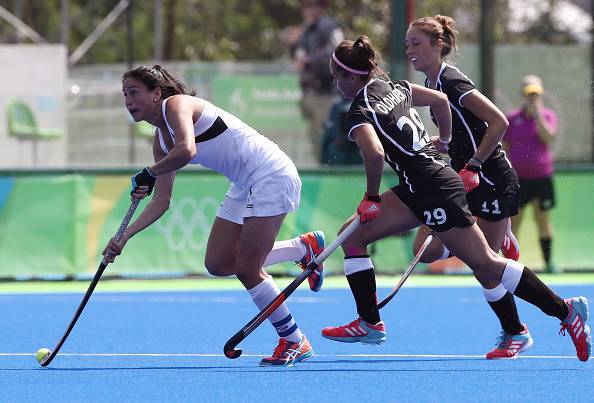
472 168
375 199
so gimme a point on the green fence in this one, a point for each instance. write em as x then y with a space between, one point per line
57 224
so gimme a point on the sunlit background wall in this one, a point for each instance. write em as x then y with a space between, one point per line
65 58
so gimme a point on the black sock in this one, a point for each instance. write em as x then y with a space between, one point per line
362 285
545 245
531 289
506 311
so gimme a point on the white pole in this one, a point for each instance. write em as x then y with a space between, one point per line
99 30
22 28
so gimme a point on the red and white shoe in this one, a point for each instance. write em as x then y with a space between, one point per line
314 244
288 353
576 325
510 345
510 247
358 331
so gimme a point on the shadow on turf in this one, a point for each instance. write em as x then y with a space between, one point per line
255 367
390 361
307 366
301 368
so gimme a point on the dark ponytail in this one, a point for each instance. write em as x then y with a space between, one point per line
359 55
154 76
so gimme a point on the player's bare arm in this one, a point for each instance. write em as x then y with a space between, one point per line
158 205
181 112
373 156
497 123
160 201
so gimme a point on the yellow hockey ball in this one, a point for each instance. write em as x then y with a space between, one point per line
41 354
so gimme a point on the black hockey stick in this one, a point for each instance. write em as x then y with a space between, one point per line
229 349
407 272
49 357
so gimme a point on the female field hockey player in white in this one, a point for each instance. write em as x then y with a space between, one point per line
265 187
475 153
386 127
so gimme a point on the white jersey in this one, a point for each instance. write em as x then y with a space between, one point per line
230 147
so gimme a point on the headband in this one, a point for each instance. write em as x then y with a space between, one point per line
347 68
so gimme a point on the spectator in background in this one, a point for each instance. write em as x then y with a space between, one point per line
311 44
532 129
337 149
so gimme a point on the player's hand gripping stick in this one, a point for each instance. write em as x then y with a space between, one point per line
470 174
369 208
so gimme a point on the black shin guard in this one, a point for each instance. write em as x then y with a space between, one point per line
532 290
363 287
506 311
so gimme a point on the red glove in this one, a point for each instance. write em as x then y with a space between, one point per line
470 176
369 208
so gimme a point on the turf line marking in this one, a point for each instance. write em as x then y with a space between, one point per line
447 356
158 299
553 357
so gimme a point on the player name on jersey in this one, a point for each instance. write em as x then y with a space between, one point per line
390 101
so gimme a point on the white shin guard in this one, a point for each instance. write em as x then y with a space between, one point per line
512 273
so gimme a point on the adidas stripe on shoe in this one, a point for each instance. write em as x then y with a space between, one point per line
510 345
358 331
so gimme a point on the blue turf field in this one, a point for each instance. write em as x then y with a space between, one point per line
167 347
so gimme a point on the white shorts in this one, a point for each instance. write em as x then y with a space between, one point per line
276 193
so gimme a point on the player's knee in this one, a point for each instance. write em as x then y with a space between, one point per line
248 277
488 272
485 279
430 255
426 258
218 268
351 248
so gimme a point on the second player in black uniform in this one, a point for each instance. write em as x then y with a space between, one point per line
384 124
475 151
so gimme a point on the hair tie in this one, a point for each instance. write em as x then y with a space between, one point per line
347 68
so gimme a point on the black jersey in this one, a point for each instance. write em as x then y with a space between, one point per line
387 106
467 129
497 195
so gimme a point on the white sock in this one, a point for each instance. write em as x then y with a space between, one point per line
281 319
286 251
494 294
357 264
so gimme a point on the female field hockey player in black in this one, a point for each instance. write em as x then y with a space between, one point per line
385 126
477 129
265 187
475 153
